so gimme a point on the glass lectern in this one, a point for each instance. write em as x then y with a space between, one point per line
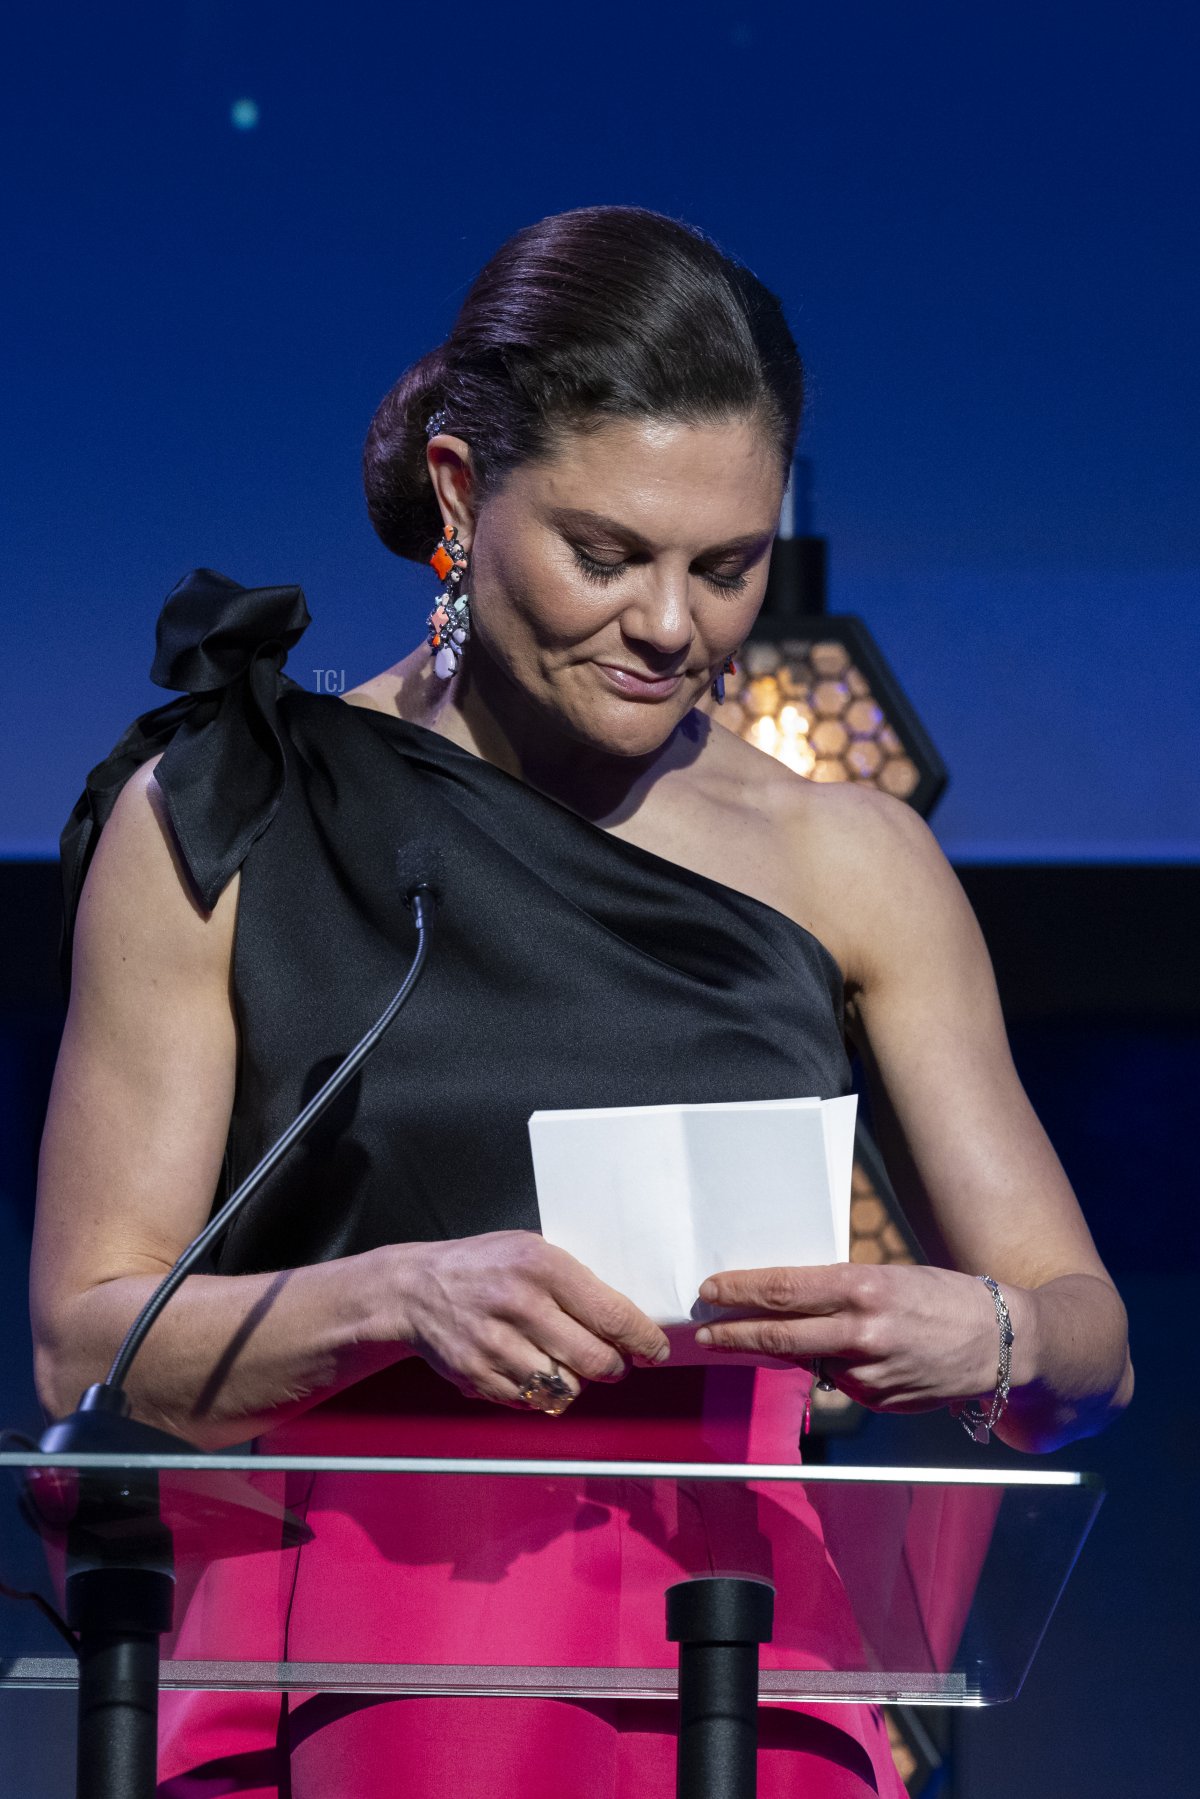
912 1585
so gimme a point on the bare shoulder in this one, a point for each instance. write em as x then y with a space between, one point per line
856 828
855 866
402 691
904 920
863 834
373 695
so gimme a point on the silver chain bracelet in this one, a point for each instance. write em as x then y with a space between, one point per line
978 1423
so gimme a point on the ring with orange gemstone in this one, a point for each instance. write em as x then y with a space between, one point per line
547 1392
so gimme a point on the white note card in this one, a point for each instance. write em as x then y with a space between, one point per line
653 1199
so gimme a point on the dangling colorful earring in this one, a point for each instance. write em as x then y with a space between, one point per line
450 621
718 686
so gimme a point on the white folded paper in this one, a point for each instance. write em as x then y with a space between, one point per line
653 1199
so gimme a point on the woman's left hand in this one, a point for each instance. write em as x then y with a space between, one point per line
894 1337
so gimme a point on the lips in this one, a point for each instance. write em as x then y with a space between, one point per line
636 684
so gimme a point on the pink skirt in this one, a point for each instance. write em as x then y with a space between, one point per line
487 1569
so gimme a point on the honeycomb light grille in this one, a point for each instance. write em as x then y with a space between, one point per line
809 704
874 1234
819 697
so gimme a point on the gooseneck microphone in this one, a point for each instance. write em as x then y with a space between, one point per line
101 1422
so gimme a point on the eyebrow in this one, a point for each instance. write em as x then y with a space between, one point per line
574 515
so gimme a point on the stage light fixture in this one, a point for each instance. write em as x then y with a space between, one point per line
817 695
815 691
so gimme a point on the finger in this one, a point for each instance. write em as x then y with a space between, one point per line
569 1342
608 1314
495 1362
817 1291
516 1358
505 1388
545 1364
789 1337
517 1393
492 1388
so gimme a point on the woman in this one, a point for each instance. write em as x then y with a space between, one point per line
637 908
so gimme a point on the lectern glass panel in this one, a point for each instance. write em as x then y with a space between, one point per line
487 1577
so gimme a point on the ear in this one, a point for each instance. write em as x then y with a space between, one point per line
452 476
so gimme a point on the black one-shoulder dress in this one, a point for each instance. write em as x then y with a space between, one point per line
569 969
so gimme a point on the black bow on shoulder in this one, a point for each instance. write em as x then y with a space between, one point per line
211 629
222 768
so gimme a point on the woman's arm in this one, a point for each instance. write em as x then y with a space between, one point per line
131 1154
973 1168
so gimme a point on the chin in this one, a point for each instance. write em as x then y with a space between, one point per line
627 728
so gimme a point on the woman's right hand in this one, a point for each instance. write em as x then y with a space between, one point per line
486 1312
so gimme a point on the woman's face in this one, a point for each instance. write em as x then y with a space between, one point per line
609 582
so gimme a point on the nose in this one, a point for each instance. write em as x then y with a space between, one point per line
660 619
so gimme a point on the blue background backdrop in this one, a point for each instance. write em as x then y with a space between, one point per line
981 219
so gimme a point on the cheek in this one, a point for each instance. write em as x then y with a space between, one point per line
727 619
530 599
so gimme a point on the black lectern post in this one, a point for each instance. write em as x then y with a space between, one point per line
718 1624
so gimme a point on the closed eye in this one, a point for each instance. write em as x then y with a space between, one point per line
608 571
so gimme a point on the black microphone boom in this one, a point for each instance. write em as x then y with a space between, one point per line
101 1422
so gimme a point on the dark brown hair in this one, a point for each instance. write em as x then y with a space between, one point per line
601 312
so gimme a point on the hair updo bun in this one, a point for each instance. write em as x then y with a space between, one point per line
601 312
400 496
